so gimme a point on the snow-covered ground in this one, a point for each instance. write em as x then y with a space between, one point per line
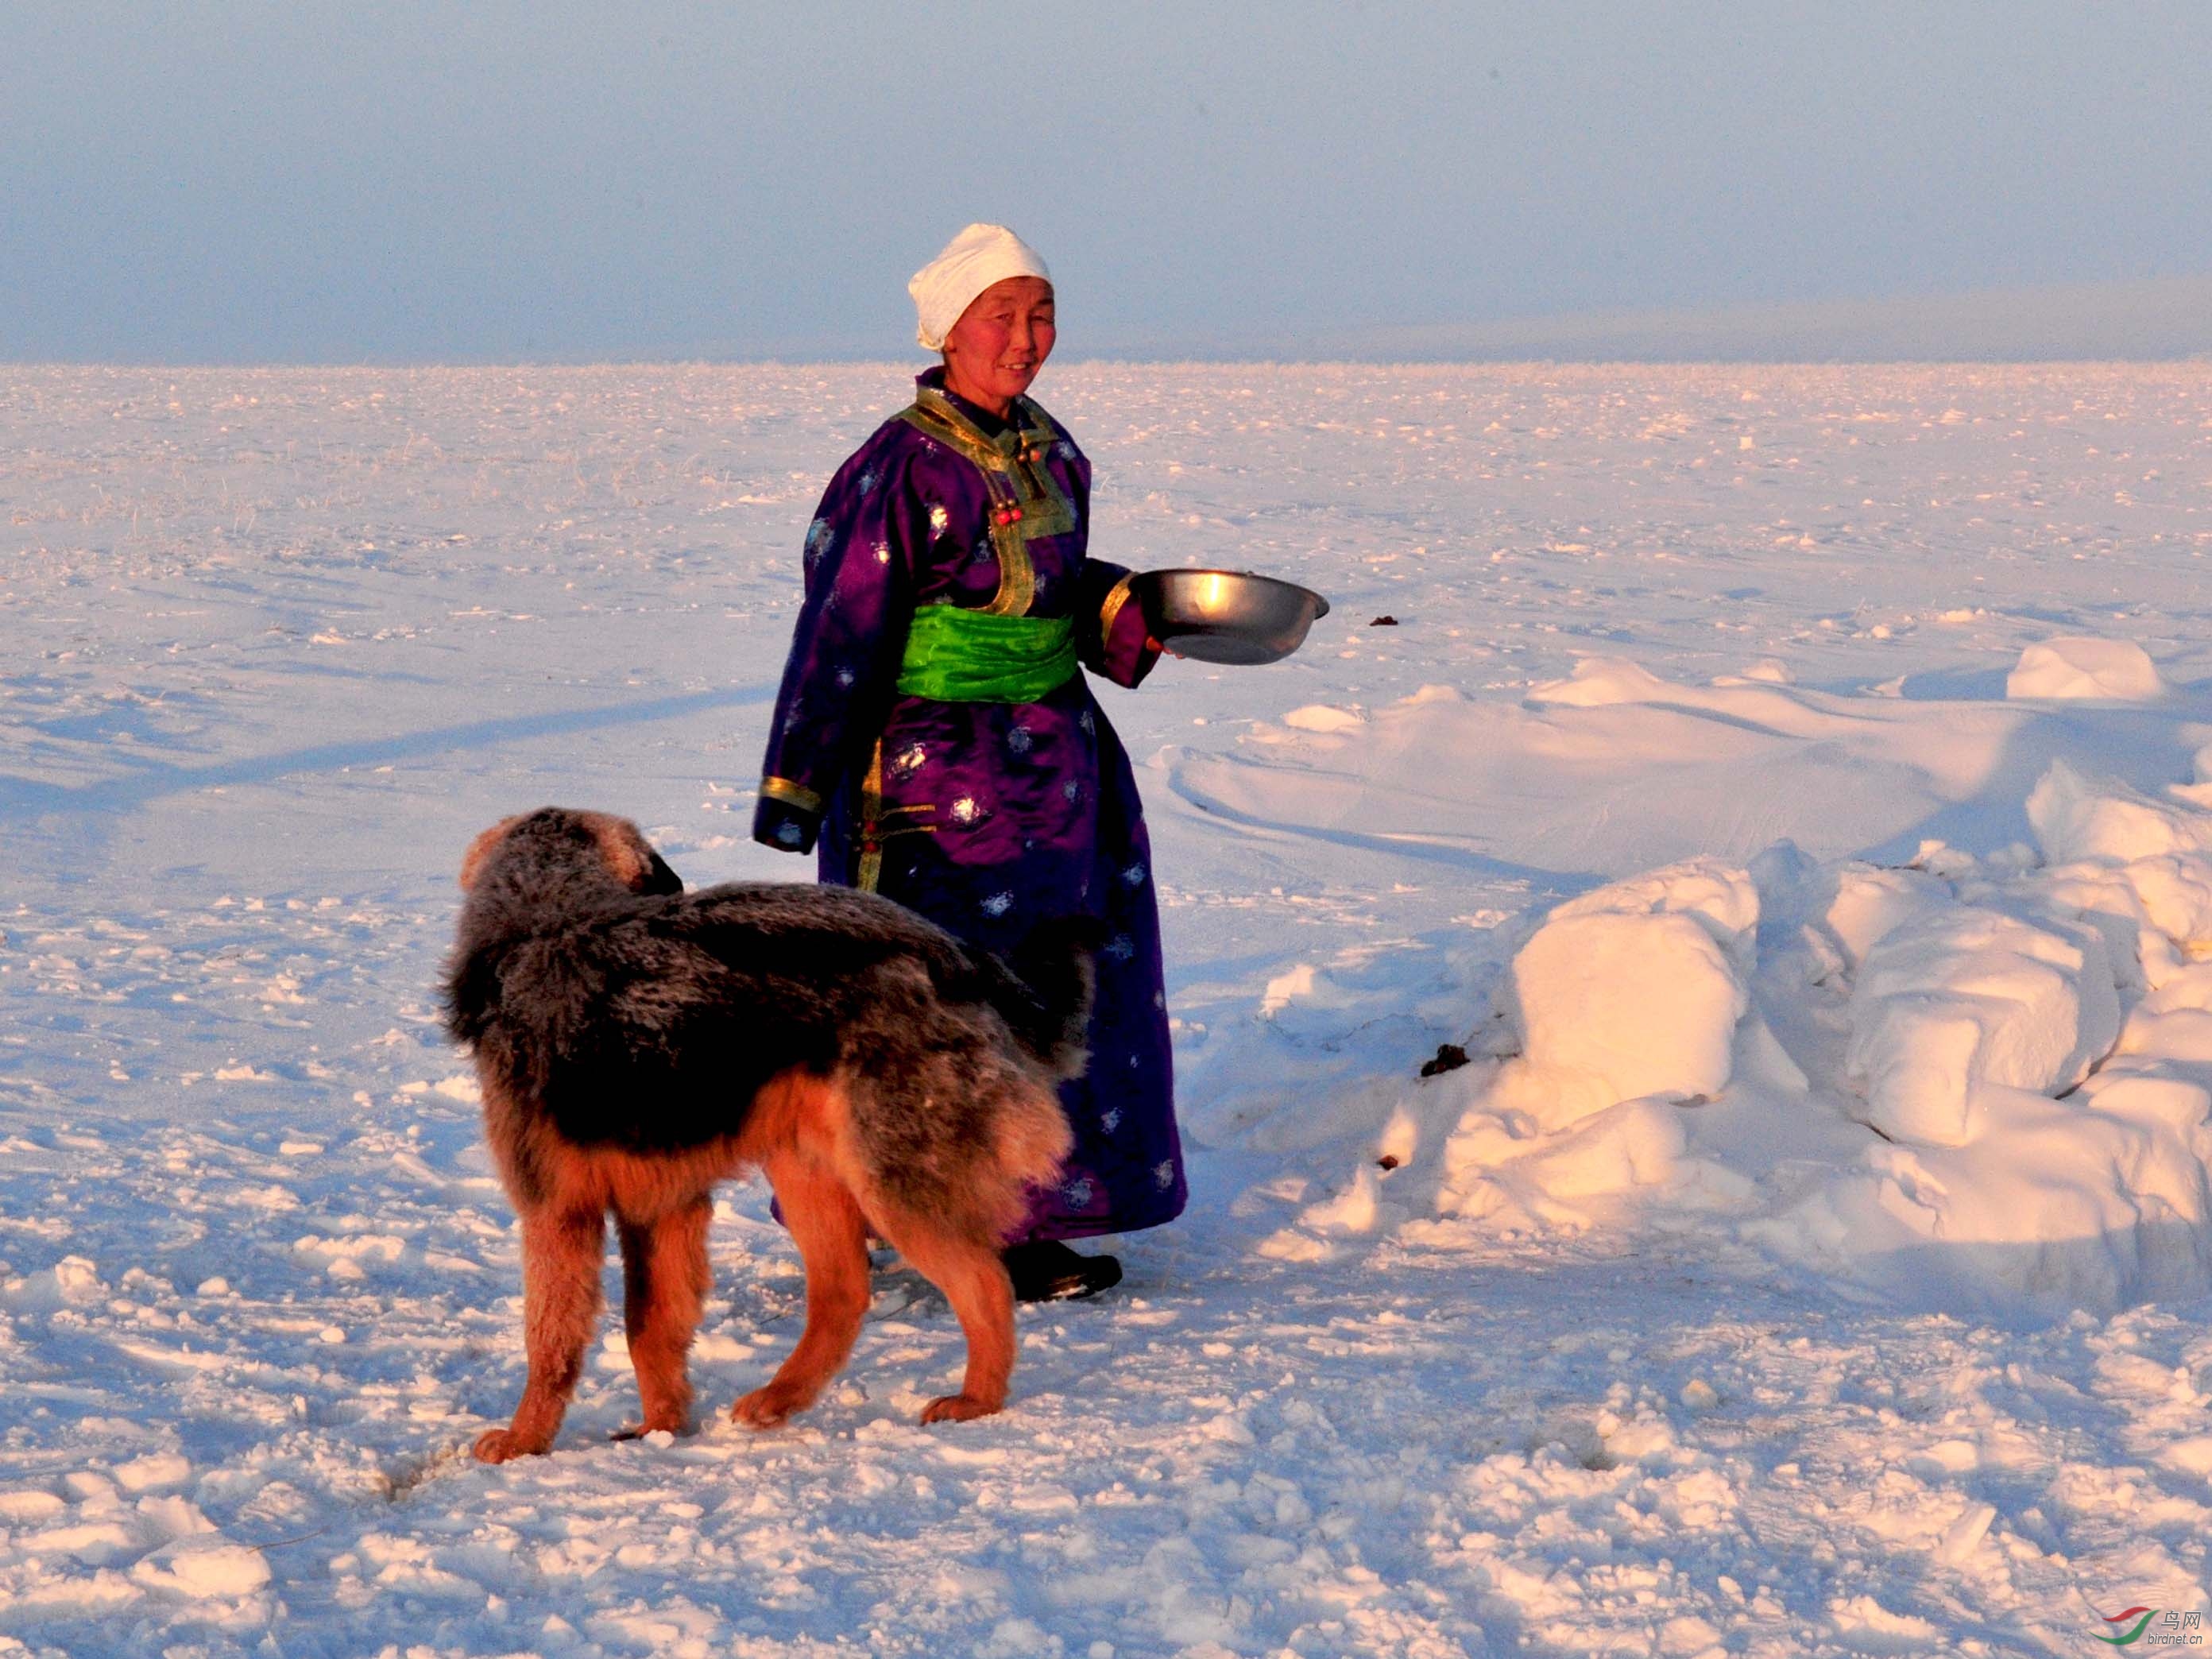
1787 786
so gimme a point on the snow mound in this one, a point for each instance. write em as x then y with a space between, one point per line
2112 670
1767 670
1601 682
2175 891
2096 1201
1321 717
1979 1083
1636 989
2075 818
1964 994
203 1568
73 1281
1871 903
1630 1003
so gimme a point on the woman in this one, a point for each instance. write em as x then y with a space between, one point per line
936 735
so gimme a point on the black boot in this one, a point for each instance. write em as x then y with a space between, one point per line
1050 1272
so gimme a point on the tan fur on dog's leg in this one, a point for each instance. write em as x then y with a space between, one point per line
664 1281
832 1239
974 1280
561 1250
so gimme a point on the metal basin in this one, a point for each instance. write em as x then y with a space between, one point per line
1226 616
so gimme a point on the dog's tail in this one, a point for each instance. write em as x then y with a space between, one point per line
1043 989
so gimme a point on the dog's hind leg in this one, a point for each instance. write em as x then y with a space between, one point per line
561 1250
665 1280
832 1238
974 1282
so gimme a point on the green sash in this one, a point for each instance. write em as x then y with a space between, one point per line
971 656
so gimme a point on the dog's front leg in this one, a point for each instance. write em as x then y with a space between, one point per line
561 1250
664 1279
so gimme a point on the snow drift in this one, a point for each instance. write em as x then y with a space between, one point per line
1982 1080
2114 670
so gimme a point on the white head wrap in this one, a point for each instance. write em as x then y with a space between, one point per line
978 257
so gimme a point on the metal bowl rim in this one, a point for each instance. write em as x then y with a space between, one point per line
1161 577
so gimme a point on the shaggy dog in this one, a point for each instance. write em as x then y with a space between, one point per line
636 1044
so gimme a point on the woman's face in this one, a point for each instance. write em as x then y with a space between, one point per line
1000 342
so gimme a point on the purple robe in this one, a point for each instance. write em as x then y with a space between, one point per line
987 818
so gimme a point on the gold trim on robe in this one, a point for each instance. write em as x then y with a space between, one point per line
876 828
1110 612
792 794
1026 501
869 875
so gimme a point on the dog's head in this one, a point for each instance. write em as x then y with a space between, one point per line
556 841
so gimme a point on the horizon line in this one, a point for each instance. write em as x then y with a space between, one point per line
2153 319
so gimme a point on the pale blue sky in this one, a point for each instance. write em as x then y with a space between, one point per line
578 178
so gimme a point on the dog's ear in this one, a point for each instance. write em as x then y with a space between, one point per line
472 861
628 856
660 879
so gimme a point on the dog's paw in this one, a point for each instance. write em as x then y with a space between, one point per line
675 1425
767 1407
498 1445
958 1408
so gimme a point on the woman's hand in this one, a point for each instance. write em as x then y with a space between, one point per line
785 825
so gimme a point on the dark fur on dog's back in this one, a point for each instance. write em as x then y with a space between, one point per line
637 1043
648 1021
